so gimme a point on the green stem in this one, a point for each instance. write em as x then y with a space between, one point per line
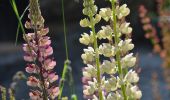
61 84
118 54
67 62
65 33
97 59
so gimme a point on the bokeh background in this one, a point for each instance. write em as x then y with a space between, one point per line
11 56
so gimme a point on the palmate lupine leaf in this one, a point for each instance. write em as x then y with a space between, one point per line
20 25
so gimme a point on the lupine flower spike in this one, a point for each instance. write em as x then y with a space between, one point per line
113 78
38 54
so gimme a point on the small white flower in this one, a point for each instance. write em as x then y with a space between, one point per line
114 96
97 18
134 92
88 90
95 97
126 45
111 84
86 39
105 13
107 50
124 27
91 87
128 61
89 55
122 11
106 32
109 67
131 77
84 22
90 71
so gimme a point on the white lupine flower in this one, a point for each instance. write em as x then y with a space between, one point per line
134 92
86 39
90 71
122 11
131 77
106 32
94 98
107 86
109 67
128 61
137 92
97 18
111 84
105 13
85 22
111 96
124 27
91 87
119 81
88 56
86 74
114 96
88 90
103 80
107 50
126 45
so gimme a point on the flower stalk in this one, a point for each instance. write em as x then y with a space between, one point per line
118 56
38 54
97 58
113 78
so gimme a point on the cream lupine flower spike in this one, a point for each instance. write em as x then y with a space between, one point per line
114 77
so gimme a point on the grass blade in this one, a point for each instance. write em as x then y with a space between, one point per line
18 28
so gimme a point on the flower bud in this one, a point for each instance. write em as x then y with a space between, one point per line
108 67
89 55
106 32
125 28
126 45
122 11
84 23
105 13
131 77
86 39
128 61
